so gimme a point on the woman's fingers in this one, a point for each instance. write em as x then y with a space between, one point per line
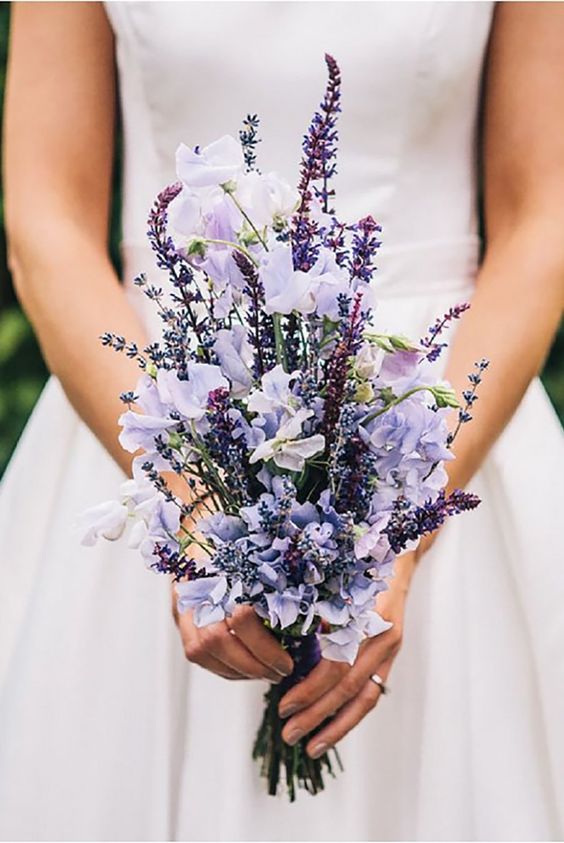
322 678
214 648
215 666
373 655
348 717
218 641
249 628
197 654
305 721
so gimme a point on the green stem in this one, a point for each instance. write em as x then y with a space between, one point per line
232 245
395 402
248 219
279 341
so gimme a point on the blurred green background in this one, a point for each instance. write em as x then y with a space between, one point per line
22 371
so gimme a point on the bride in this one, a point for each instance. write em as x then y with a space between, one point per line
106 731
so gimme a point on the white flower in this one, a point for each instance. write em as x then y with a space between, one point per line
265 196
368 361
275 393
185 212
213 165
106 520
286 449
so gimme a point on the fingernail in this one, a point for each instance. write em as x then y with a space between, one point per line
318 750
294 736
287 711
274 679
281 668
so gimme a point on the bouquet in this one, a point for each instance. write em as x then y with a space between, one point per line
311 447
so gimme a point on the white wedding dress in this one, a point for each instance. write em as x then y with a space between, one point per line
106 732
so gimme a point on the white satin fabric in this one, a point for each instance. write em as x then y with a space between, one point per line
106 733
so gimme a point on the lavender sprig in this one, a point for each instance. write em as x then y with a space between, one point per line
336 373
260 323
249 139
408 523
430 340
318 164
364 247
120 344
470 397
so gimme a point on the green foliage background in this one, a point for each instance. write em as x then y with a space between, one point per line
22 371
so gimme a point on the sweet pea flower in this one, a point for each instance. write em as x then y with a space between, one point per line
286 449
368 361
215 164
285 289
265 197
329 281
209 597
222 271
284 606
190 397
342 645
275 394
161 529
372 541
106 520
400 366
235 355
138 430
206 213
185 212
222 528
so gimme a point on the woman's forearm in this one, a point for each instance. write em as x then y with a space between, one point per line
71 294
514 315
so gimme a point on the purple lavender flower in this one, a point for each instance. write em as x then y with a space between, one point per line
248 137
430 340
364 247
408 523
318 165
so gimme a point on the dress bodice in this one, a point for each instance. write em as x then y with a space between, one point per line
190 71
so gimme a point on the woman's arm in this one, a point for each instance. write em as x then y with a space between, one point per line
514 314
520 288
58 151
58 142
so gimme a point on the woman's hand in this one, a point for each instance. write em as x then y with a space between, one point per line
238 648
348 693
